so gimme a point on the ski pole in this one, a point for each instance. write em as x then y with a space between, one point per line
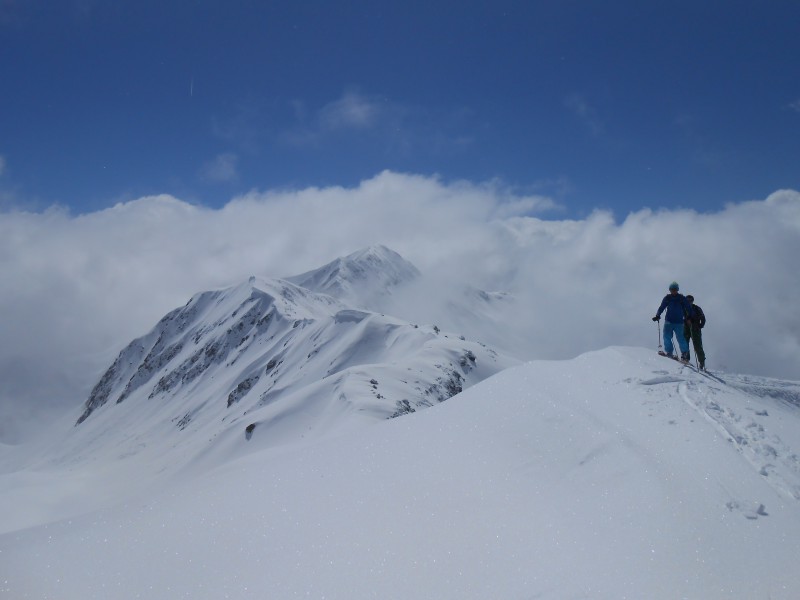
659 334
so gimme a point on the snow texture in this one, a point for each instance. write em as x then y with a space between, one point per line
614 475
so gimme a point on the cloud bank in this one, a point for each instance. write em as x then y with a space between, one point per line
77 289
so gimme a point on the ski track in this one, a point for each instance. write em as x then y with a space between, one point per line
774 460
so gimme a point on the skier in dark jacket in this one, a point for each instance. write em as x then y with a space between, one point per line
695 321
677 310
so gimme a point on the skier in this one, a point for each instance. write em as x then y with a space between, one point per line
695 321
677 310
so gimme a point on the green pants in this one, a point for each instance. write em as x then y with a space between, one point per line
696 335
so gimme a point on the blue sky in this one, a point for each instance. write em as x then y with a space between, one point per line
618 105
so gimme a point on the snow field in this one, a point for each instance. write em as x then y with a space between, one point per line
608 476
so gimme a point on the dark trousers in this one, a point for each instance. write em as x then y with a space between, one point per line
694 333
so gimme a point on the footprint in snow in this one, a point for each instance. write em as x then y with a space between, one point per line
750 510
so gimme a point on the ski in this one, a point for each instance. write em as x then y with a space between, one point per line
692 367
675 358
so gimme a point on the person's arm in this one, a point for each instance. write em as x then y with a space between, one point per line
687 309
701 316
662 307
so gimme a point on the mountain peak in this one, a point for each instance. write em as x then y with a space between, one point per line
377 252
362 278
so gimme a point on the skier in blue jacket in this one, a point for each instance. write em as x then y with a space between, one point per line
678 310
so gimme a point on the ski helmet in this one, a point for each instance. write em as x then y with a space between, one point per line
674 286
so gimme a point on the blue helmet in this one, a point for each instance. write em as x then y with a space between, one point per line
674 286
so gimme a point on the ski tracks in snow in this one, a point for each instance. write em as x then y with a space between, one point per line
774 460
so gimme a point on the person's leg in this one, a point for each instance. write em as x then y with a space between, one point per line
686 335
697 341
683 343
668 347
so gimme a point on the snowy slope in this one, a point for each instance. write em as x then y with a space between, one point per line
619 474
363 279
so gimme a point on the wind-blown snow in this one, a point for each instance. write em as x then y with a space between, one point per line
619 474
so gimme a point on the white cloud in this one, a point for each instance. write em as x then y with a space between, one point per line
587 113
351 111
76 289
395 128
221 169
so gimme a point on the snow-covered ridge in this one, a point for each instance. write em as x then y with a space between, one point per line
618 474
213 328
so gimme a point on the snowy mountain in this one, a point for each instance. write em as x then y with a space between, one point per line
380 280
364 279
618 474
271 362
